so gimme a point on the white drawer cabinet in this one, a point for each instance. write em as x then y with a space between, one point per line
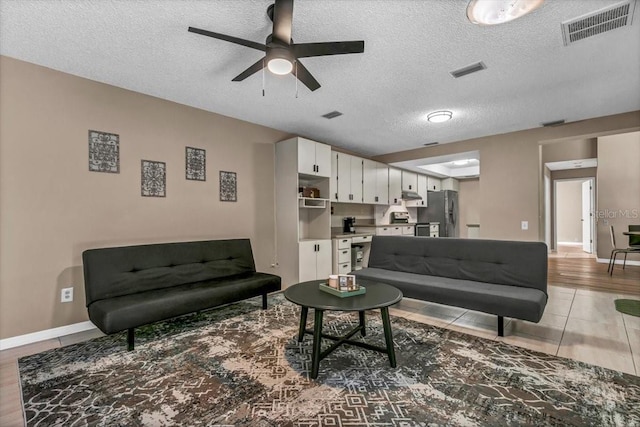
407 230
341 255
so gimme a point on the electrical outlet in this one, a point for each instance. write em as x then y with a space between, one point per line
524 225
66 295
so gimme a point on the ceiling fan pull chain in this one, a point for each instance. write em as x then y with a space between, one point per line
263 77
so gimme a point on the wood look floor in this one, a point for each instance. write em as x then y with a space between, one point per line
580 322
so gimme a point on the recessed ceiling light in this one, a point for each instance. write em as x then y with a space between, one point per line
493 12
439 116
461 162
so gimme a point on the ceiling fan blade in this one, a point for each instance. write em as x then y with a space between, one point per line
236 40
250 71
301 72
305 50
282 18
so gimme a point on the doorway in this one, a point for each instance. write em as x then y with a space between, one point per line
574 221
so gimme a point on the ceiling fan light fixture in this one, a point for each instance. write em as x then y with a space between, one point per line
494 12
280 61
439 116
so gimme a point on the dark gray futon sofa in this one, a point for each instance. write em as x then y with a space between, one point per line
131 286
505 278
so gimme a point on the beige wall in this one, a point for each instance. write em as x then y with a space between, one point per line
618 189
510 171
569 211
52 208
468 202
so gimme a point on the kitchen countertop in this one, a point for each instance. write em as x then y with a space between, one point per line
342 235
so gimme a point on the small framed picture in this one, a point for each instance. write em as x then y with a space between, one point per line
195 164
104 152
347 282
154 179
228 186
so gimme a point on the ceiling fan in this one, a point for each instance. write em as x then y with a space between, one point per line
282 54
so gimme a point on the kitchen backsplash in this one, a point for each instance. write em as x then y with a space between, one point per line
369 214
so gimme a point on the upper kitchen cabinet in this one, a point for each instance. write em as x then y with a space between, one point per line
434 184
450 184
395 186
422 191
375 183
409 181
347 173
314 158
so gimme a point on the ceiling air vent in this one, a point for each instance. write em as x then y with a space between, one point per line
332 115
601 21
428 144
473 68
554 123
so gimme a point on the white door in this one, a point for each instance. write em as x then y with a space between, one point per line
306 156
369 169
382 184
307 260
356 180
587 210
323 159
323 259
344 178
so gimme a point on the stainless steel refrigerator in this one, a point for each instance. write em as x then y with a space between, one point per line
442 207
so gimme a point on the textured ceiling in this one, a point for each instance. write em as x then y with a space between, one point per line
384 93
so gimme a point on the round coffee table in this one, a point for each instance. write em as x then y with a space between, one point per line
378 295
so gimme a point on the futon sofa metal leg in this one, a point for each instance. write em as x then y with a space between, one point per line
264 301
500 326
130 339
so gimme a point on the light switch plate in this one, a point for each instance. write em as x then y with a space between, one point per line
524 225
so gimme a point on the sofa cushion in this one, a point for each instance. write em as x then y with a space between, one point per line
129 311
120 271
513 263
502 300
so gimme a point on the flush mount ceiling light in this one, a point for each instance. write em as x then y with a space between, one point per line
439 116
493 12
461 162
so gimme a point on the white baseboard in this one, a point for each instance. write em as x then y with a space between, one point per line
618 261
45 335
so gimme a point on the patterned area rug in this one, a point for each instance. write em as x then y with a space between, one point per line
242 366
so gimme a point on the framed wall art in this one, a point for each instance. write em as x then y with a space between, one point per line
154 179
195 164
104 152
228 187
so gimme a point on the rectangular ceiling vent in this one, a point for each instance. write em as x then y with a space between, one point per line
607 19
332 115
554 123
428 144
469 69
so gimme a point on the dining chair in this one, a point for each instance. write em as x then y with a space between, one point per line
615 251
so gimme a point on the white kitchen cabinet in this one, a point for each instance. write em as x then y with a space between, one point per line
395 186
375 183
349 178
407 230
314 260
450 184
434 184
391 230
314 158
422 191
301 221
409 181
341 255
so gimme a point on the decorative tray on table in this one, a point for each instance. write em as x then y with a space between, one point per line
342 285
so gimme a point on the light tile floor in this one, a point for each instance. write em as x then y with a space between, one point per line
577 324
